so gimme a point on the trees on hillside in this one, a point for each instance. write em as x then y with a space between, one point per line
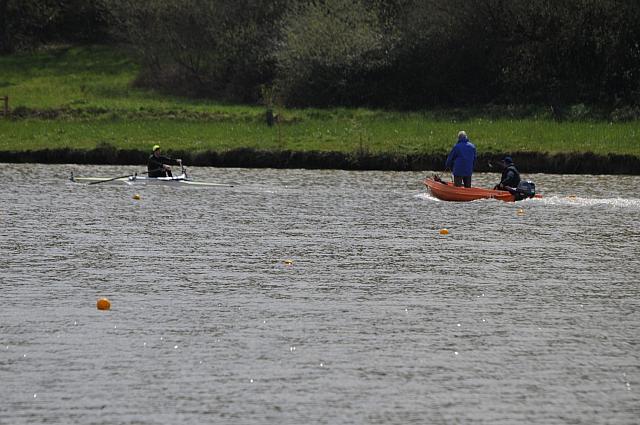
217 48
25 24
470 51
401 53
332 50
554 52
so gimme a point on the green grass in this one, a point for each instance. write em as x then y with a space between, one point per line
403 135
87 77
89 91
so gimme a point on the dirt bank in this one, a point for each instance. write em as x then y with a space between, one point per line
581 163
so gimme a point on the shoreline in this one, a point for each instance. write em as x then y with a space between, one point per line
561 163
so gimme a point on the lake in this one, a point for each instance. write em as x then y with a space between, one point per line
309 296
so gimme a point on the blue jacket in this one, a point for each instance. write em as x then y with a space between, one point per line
462 158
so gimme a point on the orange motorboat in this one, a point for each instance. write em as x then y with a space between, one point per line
446 191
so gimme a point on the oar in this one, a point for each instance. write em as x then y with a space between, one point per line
121 177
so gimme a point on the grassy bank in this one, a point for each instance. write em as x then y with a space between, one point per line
397 135
82 97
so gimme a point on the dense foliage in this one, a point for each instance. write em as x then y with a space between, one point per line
27 23
215 48
393 53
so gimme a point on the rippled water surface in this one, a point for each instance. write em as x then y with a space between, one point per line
316 297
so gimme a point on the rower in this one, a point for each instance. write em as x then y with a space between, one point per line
159 165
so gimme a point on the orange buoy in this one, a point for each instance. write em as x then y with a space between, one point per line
288 262
103 304
136 197
520 211
444 232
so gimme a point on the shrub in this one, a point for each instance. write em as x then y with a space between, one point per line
329 52
214 48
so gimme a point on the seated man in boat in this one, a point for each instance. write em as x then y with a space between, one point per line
461 160
510 175
159 165
511 181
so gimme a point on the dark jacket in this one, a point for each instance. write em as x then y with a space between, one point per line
462 158
510 177
154 165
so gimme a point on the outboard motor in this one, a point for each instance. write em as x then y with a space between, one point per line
525 189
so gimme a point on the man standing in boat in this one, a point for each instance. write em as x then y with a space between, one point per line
159 165
461 160
510 175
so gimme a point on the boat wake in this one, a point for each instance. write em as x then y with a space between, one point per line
574 201
426 196
590 202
